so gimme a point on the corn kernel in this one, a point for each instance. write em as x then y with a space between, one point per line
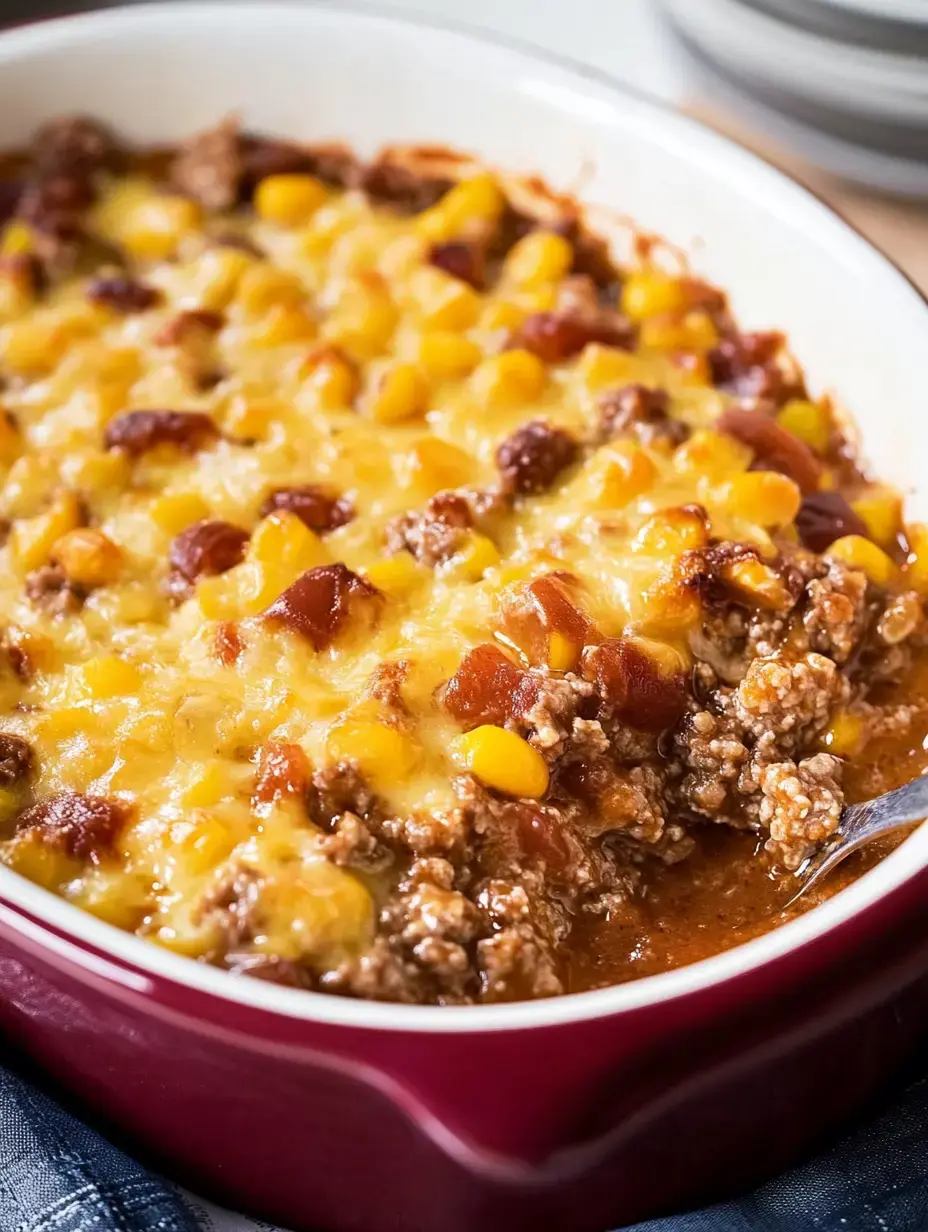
695 331
471 562
650 292
97 471
537 258
34 345
601 367
671 532
88 557
563 654
445 355
281 548
250 419
263 287
433 464
509 379
63 724
384 755
880 508
808 421
216 275
845 734
108 676
207 840
16 240
916 565
397 576
363 318
400 392
501 315
502 760
220 597
666 608
284 325
711 454
207 788
330 377
156 226
443 302
758 582
32 539
469 203
281 541
766 498
860 553
618 474
39 862
175 511
288 200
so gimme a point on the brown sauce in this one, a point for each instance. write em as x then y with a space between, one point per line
726 892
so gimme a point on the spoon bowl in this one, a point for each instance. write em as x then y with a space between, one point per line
862 823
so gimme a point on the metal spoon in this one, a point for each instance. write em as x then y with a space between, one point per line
860 824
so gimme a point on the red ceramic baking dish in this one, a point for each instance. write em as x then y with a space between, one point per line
584 1111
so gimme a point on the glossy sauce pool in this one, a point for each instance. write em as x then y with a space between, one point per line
726 892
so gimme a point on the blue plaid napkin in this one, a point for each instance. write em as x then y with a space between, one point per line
57 1175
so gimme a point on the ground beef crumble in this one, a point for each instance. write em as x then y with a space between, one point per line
801 805
480 897
50 589
749 751
473 902
836 614
233 905
435 533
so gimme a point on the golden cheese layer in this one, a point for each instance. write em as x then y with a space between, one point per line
342 357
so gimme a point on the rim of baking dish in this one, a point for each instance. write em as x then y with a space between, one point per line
658 122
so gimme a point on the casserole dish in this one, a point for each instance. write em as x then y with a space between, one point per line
322 1112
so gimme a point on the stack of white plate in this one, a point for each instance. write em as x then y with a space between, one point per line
844 82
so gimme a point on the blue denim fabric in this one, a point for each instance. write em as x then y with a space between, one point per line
875 1180
57 1175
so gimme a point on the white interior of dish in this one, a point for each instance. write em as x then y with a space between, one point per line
861 330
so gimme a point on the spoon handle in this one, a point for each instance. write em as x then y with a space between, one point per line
883 814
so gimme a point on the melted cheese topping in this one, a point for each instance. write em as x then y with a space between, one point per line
344 359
